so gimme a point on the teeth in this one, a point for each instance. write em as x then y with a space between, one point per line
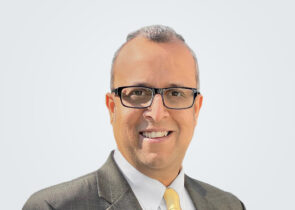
155 134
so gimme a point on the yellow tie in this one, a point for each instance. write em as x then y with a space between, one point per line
172 199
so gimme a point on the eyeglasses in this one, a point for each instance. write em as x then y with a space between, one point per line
140 97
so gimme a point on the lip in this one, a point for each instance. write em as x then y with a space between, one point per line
157 139
154 130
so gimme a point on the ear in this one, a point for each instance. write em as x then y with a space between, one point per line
197 107
110 103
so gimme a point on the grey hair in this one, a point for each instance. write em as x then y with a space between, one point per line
155 33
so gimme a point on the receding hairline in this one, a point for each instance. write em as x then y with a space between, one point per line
157 34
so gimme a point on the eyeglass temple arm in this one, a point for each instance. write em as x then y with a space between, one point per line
116 91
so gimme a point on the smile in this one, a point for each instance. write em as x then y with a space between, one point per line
155 134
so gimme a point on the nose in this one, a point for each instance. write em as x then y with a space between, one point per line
157 111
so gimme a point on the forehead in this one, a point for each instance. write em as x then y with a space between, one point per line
154 64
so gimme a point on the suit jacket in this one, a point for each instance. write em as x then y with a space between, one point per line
107 189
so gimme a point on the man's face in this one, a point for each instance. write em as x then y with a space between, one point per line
159 65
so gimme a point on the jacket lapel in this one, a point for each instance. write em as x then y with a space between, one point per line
197 194
113 187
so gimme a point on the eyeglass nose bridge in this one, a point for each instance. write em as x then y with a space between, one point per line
157 91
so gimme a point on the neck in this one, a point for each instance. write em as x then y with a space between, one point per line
165 177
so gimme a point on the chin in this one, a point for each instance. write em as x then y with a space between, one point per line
154 160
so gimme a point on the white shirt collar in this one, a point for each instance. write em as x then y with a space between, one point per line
149 192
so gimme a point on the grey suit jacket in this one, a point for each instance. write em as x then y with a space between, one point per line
107 189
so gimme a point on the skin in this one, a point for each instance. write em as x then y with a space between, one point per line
158 65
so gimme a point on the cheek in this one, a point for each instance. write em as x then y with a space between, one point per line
186 123
127 121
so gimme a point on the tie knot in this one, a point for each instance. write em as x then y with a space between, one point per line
172 199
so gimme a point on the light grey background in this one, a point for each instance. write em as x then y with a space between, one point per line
54 73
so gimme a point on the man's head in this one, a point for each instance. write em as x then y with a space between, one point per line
156 57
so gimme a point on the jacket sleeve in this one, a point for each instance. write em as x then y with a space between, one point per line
37 203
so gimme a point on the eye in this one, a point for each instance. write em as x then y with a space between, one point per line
137 92
175 93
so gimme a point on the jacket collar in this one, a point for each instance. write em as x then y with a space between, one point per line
113 187
197 194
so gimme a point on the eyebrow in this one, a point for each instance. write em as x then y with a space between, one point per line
148 85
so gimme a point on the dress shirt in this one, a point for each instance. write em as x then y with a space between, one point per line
149 192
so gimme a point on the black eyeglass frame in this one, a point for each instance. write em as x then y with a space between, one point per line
118 92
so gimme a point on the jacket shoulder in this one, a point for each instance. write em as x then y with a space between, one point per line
215 197
81 191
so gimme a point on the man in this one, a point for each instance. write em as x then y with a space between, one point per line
154 105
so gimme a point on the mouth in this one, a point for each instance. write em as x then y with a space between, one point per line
155 135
